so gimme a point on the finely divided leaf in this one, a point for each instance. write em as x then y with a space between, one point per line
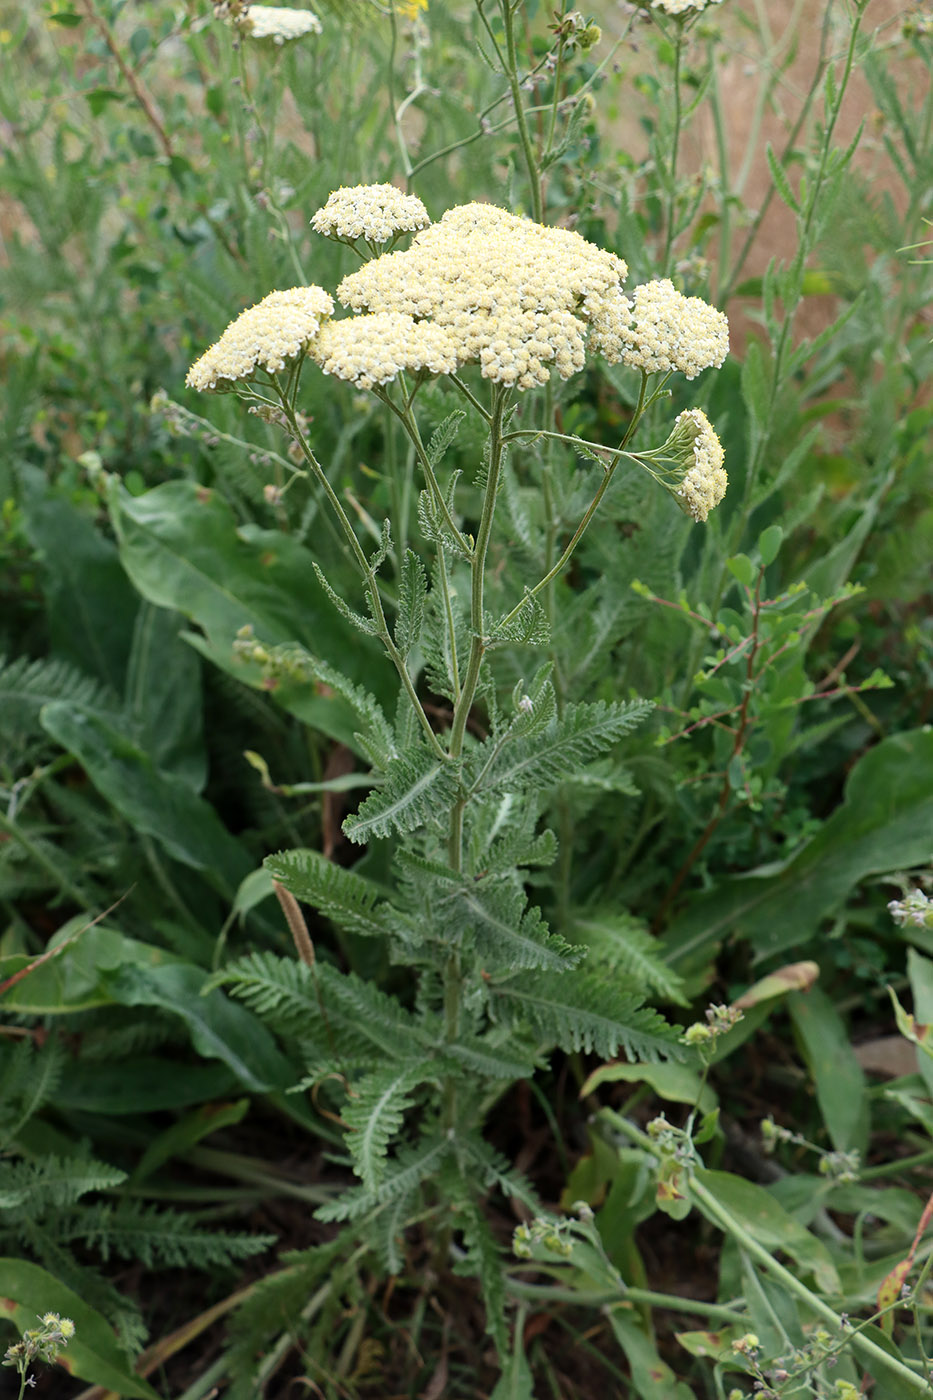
506 934
587 1013
349 901
413 593
375 1114
417 786
545 759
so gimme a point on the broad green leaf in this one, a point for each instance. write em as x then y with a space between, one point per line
90 604
758 1213
73 979
883 824
742 568
769 542
159 804
163 695
139 1084
652 1378
920 972
187 1131
840 1083
219 1028
27 1292
673 1082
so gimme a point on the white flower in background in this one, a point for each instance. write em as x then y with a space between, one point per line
277 22
377 213
267 335
660 330
682 7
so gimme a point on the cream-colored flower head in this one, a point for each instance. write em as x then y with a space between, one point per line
377 213
512 295
682 7
277 329
277 22
371 350
660 330
690 464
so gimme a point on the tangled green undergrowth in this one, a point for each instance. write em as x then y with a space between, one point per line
466 783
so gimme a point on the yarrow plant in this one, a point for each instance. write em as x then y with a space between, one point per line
493 305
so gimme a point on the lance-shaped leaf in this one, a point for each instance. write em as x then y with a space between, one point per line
417 787
375 1114
580 735
587 1013
506 934
348 900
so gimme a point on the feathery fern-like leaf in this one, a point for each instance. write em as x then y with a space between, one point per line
176 1239
587 1013
352 1016
581 734
53 1182
375 1114
622 944
412 596
25 686
347 899
402 1177
506 934
417 786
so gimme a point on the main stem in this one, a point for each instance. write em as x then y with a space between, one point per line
452 972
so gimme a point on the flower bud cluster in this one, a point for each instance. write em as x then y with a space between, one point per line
552 1234
377 213
915 910
42 1343
719 1020
265 336
660 330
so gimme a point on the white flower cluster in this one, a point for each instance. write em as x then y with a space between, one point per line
659 329
278 23
914 910
276 329
373 349
374 212
705 483
511 294
682 7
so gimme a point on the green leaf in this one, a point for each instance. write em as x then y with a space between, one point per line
883 824
586 1012
762 1217
413 592
375 1114
742 568
652 1378
93 1354
71 976
542 759
418 787
769 542
156 803
841 1090
219 1029
507 935
164 695
347 899
90 605
755 392
139 1084
186 1132
676 1083
620 942
182 548
779 176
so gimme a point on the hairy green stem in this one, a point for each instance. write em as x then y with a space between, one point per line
531 161
369 579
